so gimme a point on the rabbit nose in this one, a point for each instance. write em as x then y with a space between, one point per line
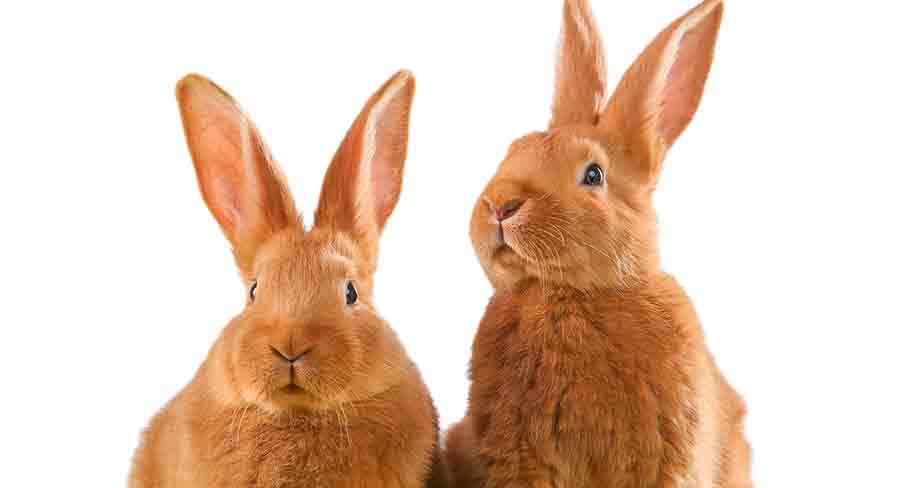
289 359
508 209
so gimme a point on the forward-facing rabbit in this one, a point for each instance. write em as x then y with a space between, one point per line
589 367
308 386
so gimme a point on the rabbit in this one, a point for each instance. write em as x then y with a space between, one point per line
589 367
307 386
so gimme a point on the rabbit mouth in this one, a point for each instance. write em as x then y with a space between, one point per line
505 242
502 250
293 389
292 395
501 245
505 255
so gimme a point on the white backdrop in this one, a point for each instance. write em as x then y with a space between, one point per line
778 208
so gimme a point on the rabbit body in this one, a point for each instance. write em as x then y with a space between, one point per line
308 386
574 390
589 367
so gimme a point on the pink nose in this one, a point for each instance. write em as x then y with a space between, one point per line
289 359
508 209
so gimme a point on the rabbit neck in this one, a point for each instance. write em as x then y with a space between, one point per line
648 280
653 297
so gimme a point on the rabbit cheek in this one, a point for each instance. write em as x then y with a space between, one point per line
608 249
251 362
335 366
502 265
316 381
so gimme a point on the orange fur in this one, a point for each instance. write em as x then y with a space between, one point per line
353 411
589 367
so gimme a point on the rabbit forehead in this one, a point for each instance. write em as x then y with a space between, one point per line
302 263
554 152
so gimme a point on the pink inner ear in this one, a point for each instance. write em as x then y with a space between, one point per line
242 187
390 141
363 182
684 83
217 143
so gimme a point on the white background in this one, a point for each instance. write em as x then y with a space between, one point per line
778 207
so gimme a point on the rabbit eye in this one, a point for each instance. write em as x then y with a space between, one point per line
253 291
593 176
351 293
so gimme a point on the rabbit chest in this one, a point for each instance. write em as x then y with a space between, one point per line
579 390
334 449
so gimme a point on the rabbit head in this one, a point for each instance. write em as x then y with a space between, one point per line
309 335
573 204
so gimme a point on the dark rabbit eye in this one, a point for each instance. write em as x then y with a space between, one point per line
351 294
593 176
253 291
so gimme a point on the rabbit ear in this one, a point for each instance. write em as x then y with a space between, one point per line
661 91
363 183
241 184
580 69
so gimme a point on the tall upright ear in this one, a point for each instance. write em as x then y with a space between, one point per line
661 91
363 183
241 184
580 69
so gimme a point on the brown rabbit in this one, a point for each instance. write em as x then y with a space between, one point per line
308 386
589 368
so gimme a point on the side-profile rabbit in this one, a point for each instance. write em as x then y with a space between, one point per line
308 386
589 367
